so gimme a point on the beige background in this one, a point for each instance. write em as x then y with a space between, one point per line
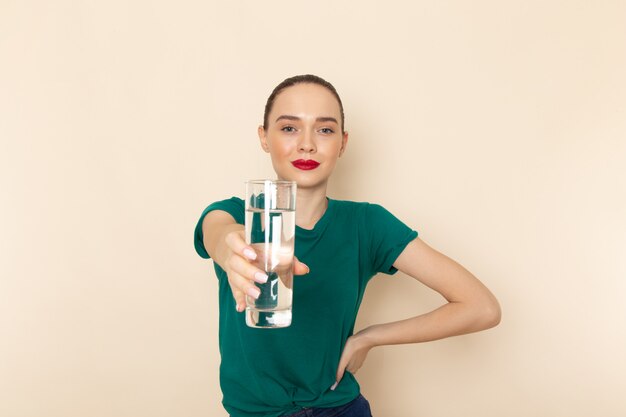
496 129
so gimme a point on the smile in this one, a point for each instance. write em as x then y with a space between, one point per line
305 165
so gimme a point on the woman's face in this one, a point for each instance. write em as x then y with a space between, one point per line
303 135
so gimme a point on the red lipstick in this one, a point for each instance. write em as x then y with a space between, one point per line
305 164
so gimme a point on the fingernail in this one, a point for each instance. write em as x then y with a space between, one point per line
332 388
260 277
249 253
253 292
238 308
307 268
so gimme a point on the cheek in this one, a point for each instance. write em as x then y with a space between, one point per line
281 149
332 149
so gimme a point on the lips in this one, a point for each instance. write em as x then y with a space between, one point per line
305 164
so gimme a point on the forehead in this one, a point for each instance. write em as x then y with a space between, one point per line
306 99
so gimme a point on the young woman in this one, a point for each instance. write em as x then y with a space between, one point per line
307 368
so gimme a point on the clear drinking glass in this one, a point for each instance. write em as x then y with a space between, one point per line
270 230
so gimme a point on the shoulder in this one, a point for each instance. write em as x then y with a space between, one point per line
234 206
359 206
233 202
353 205
362 210
350 208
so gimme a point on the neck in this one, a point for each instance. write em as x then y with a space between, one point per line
311 207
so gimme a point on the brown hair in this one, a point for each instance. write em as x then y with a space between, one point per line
300 79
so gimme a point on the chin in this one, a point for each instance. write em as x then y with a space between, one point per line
307 183
304 179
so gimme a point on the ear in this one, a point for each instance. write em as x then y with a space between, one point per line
344 143
263 139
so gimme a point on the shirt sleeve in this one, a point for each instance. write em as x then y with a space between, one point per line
388 238
233 206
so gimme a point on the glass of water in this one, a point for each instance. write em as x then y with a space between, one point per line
270 230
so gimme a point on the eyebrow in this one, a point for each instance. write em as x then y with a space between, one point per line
295 118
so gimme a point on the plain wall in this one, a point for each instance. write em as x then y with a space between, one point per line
496 129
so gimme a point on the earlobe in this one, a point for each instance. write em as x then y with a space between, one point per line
263 139
344 143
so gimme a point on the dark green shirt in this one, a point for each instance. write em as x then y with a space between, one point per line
270 372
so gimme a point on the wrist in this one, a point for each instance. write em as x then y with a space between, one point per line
223 251
367 338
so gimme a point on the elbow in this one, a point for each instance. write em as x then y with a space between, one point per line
491 314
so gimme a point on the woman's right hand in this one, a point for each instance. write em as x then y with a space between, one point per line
242 274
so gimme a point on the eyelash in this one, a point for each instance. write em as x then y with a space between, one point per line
324 130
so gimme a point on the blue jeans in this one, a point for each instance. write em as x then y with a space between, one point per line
359 407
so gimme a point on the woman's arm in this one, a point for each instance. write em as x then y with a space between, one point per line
216 225
471 307
225 243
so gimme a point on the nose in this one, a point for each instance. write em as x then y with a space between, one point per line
307 143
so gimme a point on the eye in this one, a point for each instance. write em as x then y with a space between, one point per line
327 130
288 129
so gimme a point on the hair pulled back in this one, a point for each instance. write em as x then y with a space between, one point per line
300 79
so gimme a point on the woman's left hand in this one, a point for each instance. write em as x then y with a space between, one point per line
353 355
